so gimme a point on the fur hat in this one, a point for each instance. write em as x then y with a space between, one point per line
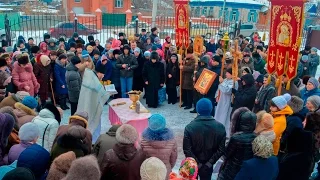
147 54
315 101
262 147
126 46
19 173
77 132
80 116
79 45
73 45
75 60
281 101
43 59
117 51
189 168
61 165
29 132
204 107
126 134
154 55
296 104
30 102
52 108
84 168
156 122
314 81
7 123
153 169
23 60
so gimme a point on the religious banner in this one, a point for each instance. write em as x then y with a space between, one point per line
198 45
285 33
182 23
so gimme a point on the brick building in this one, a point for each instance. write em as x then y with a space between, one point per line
106 6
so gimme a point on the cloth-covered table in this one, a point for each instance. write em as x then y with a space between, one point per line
122 114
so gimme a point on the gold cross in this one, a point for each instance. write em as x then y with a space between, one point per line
272 55
237 55
280 64
292 59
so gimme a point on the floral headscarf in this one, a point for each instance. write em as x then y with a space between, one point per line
189 169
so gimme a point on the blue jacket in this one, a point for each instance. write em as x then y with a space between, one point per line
60 77
108 68
212 47
115 76
5 169
306 94
259 169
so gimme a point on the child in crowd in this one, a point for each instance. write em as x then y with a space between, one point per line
188 170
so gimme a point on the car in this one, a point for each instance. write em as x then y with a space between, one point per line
66 30
246 29
3 34
202 29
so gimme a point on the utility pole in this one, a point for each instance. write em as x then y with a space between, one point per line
223 10
154 13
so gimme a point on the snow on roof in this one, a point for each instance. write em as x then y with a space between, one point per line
257 2
6 9
45 10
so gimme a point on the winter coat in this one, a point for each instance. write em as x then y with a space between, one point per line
108 70
153 73
305 67
103 144
131 62
259 66
115 75
73 80
23 113
122 162
66 143
138 82
259 169
60 166
239 148
16 150
43 75
152 37
250 65
297 163
212 47
313 64
147 46
246 95
160 144
25 77
187 72
198 146
279 126
60 78
214 87
5 169
48 127
73 40
174 70
264 95
305 94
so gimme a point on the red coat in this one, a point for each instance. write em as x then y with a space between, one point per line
25 77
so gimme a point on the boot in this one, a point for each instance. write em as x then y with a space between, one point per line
193 111
63 103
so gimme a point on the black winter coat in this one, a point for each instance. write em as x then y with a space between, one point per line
138 82
246 95
131 61
154 74
174 70
265 94
196 143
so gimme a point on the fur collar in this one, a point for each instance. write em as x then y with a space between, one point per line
25 109
163 135
19 69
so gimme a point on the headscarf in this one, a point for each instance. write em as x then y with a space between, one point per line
189 169
262 147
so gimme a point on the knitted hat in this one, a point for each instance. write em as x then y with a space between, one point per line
229 70
204 107
260 48
205 59
189 168
85 54
117 51
137 50
84 168
7 124
154 55
126 134
20 95
126 46
296 104
147 54
51 41
90 38
9 49
314 100
305 58
9 110
314 49
92 43
247 50
52 108
281 101
61 165
153 169
29 132
61 39
77 131
260 78
23 60
154 48
80 116
70 55
75 35
314 81
30 102
121 34
19 173
255 75
156 122
156 39
73 45
35 49
97 52
217 58
262 147
75 60
46 36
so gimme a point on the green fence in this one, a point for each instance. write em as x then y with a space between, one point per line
113 19
11 17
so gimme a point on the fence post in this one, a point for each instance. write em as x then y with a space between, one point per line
137 26
75 24
7 29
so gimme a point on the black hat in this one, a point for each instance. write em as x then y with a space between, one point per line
23 60
217 58
30 38
247 55
256 55
260 78
90 38
153 29
143 30
35 49
79 41
2 62
75 60
260 48
4 43
307 48
154 55
174 55
46 36
79 45
20 41
54 111
75 35
101 69
121 34
73 44
126 46
96 52
116 51
61 39
229 70
92 43
63 56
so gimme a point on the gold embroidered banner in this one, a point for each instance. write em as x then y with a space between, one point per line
182 22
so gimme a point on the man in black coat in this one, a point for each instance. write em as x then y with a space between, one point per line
215 67
204 139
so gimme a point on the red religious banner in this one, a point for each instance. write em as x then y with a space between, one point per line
285 32
182 22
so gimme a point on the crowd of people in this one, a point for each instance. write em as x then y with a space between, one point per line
257 132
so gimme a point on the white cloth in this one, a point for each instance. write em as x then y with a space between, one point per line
92 98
